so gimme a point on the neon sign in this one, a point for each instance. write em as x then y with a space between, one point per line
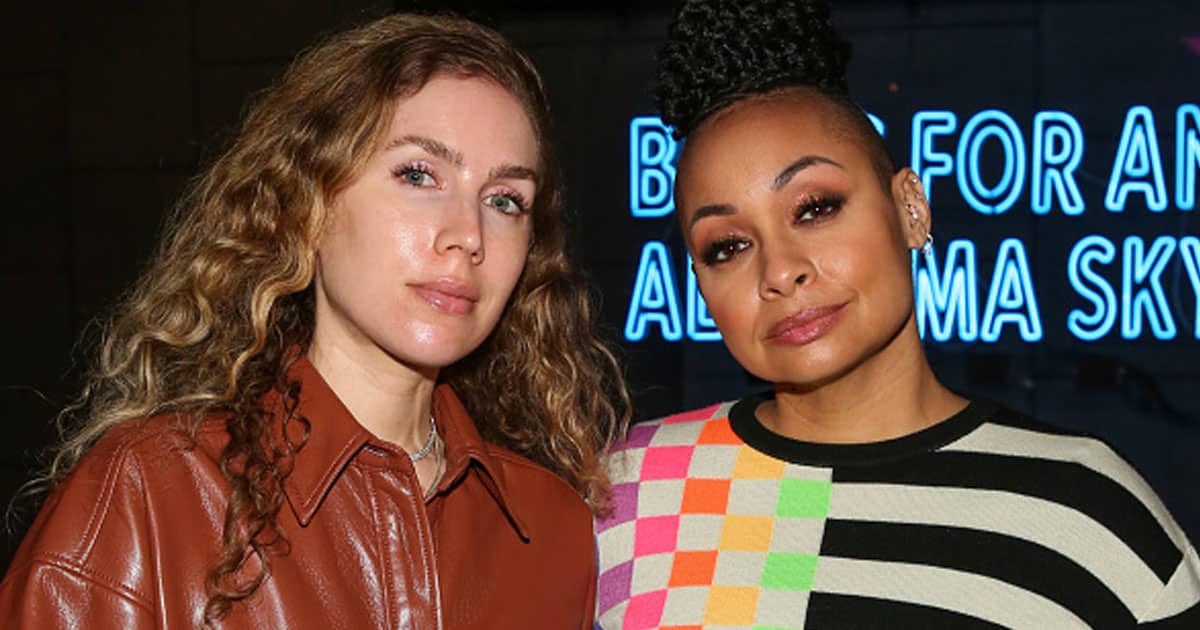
949 293
1137 168
651 168
1057 151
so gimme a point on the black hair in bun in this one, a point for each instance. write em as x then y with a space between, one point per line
719 51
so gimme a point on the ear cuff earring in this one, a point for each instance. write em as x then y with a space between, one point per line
927 246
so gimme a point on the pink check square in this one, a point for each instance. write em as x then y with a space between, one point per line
655 534
695 414
644 611
666 462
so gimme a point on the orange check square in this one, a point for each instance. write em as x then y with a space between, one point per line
718 432
705 496
693 568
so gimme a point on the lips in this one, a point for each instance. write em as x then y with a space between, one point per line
805 326
447 295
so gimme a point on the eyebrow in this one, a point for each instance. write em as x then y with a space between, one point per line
790 171
440 150
781 180
513 171
436 148
711 210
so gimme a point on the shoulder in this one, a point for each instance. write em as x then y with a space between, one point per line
1010 437
101 510
1077 465
651 469
115 466
686 428
1091 502
553 520
144 453
97 527
669 441
536 489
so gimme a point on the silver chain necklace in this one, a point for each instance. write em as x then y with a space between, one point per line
429 442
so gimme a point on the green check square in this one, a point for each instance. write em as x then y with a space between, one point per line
802 498
789 571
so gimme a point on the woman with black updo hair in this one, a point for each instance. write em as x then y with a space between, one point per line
861 492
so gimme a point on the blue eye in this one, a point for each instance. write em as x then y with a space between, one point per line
417 174
506 203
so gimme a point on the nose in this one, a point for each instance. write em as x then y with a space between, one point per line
461 230
783 269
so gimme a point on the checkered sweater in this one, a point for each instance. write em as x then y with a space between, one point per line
985 520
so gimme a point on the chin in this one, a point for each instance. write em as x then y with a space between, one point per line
431 353
809 381
422 357
806 367
432 345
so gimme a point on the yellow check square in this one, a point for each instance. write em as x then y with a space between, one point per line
746 533
751 464
731 605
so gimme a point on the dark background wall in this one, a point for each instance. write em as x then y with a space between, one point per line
111 107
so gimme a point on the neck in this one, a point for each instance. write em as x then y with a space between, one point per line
891 394
390 399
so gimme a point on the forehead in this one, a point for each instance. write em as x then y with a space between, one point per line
746 145
468 111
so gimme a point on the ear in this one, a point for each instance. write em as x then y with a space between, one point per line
908 195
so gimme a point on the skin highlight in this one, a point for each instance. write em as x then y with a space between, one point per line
802 256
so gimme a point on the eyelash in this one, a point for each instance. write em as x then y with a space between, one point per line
820 208
515 197
729 246
403 172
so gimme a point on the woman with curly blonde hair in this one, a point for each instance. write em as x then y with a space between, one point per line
358 385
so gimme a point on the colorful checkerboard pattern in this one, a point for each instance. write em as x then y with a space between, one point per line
984 518
707 531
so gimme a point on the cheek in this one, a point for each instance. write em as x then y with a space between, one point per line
874 268
367 255
731 299
370 237
505 276
507 252
872 251
403 240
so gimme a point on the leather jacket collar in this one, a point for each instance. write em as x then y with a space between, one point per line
335 437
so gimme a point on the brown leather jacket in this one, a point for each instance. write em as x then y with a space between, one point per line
127 539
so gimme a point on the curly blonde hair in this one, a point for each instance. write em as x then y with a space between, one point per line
214 323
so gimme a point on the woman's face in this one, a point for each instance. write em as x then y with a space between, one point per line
424 248
800 251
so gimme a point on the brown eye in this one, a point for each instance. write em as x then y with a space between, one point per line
724 250
817 209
